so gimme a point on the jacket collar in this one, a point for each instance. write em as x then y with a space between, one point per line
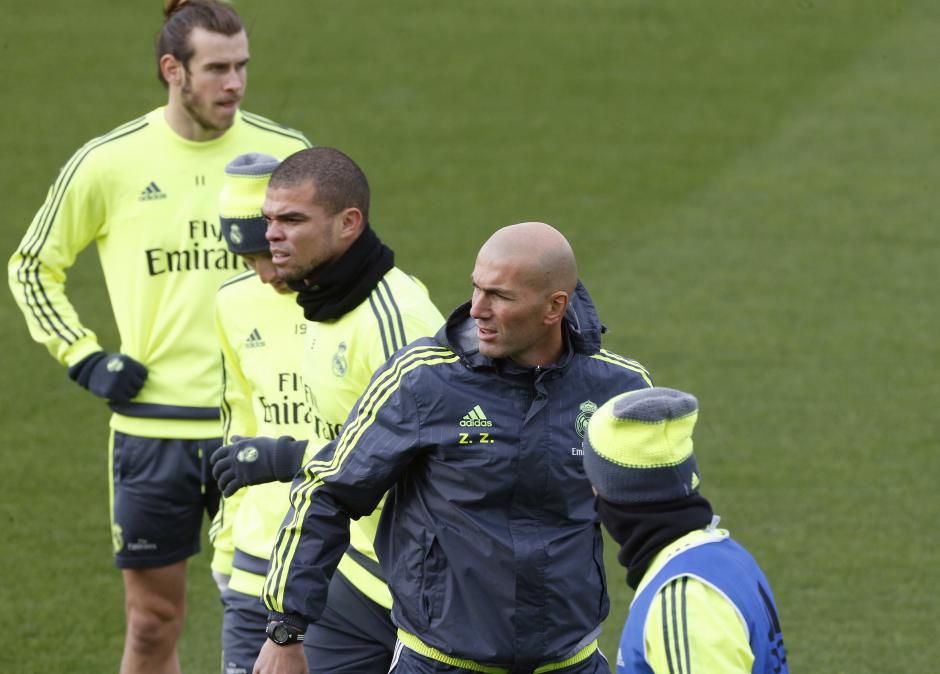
582 330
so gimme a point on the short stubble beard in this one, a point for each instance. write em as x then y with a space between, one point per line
190 105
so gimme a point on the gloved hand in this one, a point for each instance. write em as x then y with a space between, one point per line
249 461
113 376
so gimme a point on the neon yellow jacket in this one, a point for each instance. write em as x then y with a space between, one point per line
261 335
338 360
149 199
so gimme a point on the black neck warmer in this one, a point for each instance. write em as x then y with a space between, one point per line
334 290
644 530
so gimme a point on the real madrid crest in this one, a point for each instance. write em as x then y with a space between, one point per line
235 234
587 411
339 360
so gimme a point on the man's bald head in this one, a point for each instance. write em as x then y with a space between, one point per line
523 280
540 254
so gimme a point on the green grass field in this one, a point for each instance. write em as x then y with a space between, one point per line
750 188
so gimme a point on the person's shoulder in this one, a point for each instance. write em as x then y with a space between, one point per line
237 288
422 366
105 149
418 366
397 311
422 353
407 284
273 131
408 292
621 365
123 132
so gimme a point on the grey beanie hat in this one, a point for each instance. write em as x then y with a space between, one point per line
246 178
638 447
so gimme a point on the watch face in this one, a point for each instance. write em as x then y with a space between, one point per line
280 634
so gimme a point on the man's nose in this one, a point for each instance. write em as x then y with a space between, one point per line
233 81
479 307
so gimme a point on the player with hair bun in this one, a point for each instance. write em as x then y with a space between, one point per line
146 193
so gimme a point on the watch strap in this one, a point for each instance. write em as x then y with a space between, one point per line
283 633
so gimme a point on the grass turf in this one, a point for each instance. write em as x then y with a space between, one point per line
748 187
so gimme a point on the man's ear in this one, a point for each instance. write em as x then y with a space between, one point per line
556 306
172 69
352 224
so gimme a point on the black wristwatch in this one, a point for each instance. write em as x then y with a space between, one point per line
282 632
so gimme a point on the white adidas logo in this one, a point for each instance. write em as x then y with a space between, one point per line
151 192
475 417
254 339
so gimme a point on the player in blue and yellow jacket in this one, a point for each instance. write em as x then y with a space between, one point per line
702 603
489 538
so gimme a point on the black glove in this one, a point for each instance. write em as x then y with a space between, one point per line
249 461
113 376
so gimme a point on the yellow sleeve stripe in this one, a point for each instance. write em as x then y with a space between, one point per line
366 417
371 401
379 390
27 274
626 363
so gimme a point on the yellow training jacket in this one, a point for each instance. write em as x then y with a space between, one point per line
339 360
265 342
261 334
149 199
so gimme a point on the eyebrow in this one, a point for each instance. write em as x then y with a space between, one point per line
223 63
284 215
499 290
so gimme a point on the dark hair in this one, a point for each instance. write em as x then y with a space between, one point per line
182 16
339 182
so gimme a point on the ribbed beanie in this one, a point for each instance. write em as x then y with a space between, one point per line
246 179
638 447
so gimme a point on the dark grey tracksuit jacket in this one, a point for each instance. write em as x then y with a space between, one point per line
488 539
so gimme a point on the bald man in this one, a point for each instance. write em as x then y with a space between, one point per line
489 537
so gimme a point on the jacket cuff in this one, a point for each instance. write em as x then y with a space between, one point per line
79 351
81 371
291 619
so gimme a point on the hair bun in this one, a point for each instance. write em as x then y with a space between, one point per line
170 7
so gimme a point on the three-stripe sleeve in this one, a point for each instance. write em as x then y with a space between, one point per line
692 628
626 363
390 327
266 124
237 419
69 219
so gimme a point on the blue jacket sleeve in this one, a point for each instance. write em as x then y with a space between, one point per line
346 479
